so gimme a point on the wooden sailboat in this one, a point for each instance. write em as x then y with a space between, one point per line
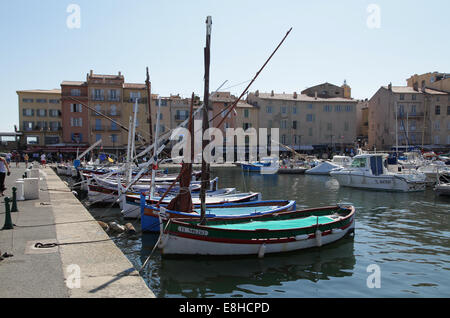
255 234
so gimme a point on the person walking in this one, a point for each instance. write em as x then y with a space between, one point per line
43 161
4 170
25 158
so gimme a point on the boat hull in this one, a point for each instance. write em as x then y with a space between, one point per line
182 239
384 183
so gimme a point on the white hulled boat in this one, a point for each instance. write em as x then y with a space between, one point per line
368 171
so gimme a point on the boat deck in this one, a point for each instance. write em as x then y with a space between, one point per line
277 224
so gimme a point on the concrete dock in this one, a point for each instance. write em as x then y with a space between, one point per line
86 264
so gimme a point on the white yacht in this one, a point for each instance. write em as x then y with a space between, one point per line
325 167
368 171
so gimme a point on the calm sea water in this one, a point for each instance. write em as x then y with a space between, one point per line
407 235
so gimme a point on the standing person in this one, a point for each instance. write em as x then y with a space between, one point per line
8 158
17 158
4 170
25 158
43 161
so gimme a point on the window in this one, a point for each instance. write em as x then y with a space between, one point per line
337 108
269 109
310 117
76 122
53 101
27 100
75 92
283 109
412 125
28 125
359 163
448 110
51 140
114 138
98 94
115 127
246 114
181 114
41 100
327 108
54 113
77 137
413 97
437 140
28 112
437 110
113 110
283 124
113 95
348 108
54 125
297 139
294 124
401 109
246 126
283 139
134 96
75 108
163 102
402 96
294 110
41 113
98 137
448 139
413 109
437 125
309 106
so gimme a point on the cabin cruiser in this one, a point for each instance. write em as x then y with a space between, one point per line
326 167
369 171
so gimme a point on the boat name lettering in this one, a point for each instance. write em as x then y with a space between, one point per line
192 231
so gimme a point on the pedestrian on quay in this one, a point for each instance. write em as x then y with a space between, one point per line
43 161
25 158
4 171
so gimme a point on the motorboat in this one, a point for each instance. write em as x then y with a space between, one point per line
369 171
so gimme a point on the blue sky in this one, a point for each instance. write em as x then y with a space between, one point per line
330 41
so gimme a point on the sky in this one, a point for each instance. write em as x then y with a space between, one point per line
367 43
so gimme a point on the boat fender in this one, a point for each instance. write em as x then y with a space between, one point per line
318 234
130 228
262 250
301 237
116 227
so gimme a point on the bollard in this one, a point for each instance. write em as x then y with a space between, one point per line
8 222
14 200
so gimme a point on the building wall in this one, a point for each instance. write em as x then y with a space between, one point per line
75 119
40 115
423 118
307 121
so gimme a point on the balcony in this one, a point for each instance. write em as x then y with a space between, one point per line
114 99
98 98
410 115
181 117
141 100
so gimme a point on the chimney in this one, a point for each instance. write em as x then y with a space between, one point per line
416 86
91 72
295 95
390 86
272 94
120 73
257 93
315 95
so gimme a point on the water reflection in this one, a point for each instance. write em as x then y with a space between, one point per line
200 277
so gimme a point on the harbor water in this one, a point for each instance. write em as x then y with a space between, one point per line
401 248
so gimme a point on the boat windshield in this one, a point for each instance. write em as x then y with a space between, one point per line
359 163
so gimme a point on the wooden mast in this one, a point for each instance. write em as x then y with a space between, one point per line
205 121
149 101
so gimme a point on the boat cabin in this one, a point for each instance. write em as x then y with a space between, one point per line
374 162
343 161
